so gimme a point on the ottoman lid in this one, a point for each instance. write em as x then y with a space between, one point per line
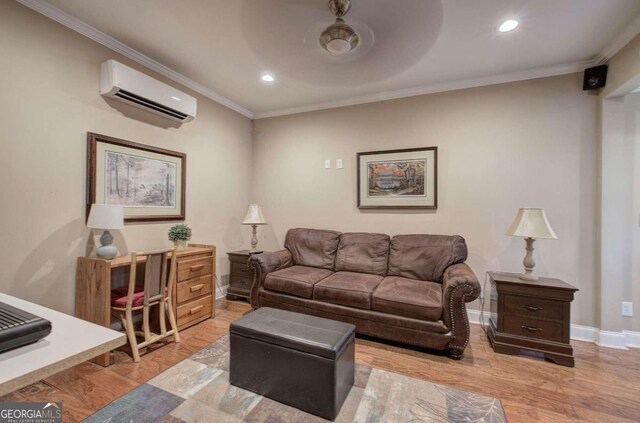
310 334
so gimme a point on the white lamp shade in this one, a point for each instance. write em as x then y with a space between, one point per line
531 223
254 216
105 216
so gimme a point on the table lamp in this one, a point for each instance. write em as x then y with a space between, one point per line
531 224
254 218
105 216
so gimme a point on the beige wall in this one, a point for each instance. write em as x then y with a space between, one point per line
49 102
524 144
621 211
624 70
632 290
616 211
618 208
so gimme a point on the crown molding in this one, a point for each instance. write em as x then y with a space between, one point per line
436 88
628 34
100 37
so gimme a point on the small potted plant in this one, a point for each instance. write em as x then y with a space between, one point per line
180 234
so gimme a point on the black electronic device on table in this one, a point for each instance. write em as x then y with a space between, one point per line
19 328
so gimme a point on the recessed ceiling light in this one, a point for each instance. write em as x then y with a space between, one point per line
176 98
267 77
508 25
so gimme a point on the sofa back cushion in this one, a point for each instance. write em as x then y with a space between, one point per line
363 253
313 247
425 257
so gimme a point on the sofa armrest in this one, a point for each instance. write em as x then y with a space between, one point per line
459 286
263 264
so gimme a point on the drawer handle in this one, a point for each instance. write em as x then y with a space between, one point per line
531 329
196 309
197 267
531 308
196 287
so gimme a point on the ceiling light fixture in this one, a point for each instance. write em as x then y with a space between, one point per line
508 25
339 38
267 77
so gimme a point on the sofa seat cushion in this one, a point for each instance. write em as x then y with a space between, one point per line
296 280
409 298
348 289
363 253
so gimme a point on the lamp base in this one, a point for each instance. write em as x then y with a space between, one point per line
529 277
254 237
529 262
106 250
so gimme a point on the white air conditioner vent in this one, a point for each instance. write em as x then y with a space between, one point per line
131 86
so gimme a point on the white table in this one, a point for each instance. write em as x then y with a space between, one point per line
71 341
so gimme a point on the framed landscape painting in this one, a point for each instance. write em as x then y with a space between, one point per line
149 182
398 179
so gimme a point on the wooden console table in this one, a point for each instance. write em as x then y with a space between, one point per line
193 299
531 315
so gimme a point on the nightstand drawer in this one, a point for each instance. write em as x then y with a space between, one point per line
534 328
190 269
239 257
194 288
242 282
240 275
533 307
241 270
194 310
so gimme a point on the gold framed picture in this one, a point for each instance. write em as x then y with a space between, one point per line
398 178
149 182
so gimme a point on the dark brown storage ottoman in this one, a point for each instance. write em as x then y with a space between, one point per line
303 361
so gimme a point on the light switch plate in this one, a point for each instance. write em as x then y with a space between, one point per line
327 164
627 309
338 163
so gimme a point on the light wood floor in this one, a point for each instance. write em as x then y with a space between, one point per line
603 387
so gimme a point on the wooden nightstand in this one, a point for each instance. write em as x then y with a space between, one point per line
531 315
240 276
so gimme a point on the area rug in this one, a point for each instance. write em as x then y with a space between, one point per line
197 390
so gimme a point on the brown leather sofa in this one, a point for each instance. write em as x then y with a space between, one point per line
409 288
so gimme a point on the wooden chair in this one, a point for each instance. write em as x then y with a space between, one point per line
156 290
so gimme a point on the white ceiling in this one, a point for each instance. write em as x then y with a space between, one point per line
222 47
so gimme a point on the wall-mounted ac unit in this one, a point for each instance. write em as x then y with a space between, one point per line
126 84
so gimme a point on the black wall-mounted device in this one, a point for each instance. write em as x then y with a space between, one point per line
595 78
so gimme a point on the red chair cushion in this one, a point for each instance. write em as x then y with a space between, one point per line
119 296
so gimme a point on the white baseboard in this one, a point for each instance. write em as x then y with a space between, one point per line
584 333
221 293
474 317
610 339
603 338
633 338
